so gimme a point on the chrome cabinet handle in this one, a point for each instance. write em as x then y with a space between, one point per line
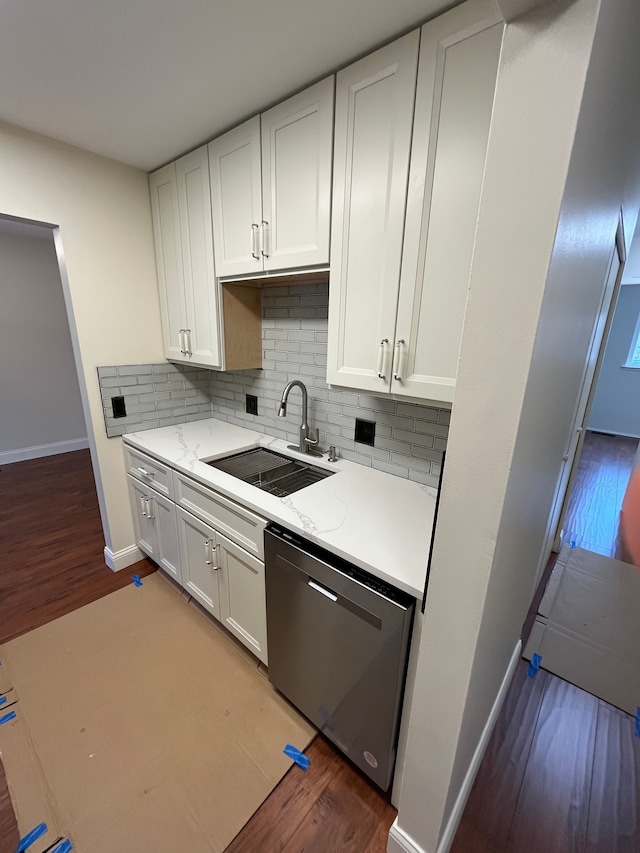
398 360
382 351
183 348
143 508
146 473
264 239
207 552
150 508
214 552
255 228
187 336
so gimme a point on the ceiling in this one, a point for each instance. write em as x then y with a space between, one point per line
145 81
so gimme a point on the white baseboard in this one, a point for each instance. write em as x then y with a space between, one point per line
399 841
39 450
119 560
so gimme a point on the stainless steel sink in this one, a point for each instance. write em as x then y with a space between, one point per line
270 471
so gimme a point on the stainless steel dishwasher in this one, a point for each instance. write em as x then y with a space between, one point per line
338 643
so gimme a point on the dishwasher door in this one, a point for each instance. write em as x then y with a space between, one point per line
338 642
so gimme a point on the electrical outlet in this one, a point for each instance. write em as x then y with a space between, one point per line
118 407
365 432
252 404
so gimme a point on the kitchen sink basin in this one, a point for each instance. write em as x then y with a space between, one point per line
270 471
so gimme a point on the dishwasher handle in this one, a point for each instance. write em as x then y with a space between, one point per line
322 590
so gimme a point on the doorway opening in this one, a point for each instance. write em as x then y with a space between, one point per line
592 519
52 528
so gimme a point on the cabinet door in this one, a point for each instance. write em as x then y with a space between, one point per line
456 83
374 116
143 524
242 596
201 294
236 199
163 515
166 230
297 142
199 564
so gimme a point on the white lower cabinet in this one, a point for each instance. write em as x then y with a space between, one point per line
199 561
242 595
154 521
226 580
220 573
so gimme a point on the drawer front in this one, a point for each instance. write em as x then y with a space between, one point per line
236 522
149 471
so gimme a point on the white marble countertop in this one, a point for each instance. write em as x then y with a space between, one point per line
377 521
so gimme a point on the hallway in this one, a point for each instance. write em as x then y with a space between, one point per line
562 769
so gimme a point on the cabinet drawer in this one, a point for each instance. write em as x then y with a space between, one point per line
239 524
149 471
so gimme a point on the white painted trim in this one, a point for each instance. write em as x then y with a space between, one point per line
399 841
39 450
84 393
456 813
119 560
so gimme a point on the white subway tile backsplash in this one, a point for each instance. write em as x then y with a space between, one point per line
409 438
295 347
154 395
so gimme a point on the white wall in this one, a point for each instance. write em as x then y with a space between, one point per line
616 404
533 300
103 211
41 409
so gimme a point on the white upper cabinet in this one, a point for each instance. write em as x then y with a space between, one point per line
181 211
201 294
236 199
271 187
166 229
297 142
403 234
374 116
454 99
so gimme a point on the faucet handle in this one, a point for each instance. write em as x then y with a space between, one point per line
312 442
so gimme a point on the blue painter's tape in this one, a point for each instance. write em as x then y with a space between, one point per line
8 717
32 836
3 699
297 756
638 722
534 666
136 580
65 847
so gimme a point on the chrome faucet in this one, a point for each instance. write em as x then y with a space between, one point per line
307 442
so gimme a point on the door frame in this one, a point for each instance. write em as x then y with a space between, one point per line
584 402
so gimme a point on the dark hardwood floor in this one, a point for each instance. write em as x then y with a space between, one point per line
330 806
593 513
51 542
561 772
562 769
